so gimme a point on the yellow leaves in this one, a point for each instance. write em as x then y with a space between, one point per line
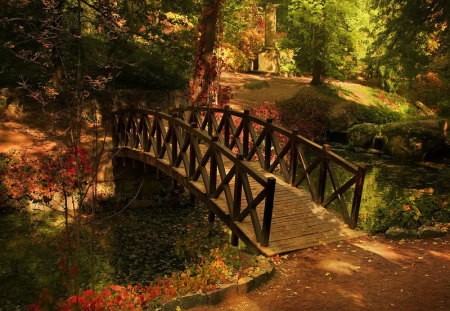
51 92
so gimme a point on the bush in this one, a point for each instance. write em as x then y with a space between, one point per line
422 209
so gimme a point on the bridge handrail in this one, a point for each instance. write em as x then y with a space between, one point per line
244 137
166 133
332 156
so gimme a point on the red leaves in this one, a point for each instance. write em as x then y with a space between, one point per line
39 178
116 288
202 277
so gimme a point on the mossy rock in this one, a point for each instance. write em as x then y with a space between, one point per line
362 135
416 140
341 116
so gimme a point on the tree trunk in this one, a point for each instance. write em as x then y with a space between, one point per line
205 71
58 69
318 72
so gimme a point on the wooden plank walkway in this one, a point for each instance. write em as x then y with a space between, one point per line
298 222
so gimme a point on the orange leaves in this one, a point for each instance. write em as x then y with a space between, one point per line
221 266
39 178
116 288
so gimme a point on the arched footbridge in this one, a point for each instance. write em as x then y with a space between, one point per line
269 185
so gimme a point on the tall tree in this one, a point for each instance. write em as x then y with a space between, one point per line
412 37
327 35
206 70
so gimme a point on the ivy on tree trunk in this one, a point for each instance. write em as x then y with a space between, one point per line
205 72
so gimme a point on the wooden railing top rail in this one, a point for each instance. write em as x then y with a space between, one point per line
260 178
353 168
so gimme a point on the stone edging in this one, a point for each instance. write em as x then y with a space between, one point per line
224 291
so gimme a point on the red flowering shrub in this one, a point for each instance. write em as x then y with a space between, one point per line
26 178
288 119
221 266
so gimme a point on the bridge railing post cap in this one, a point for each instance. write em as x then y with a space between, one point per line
227 106
194 124
246 111
215 138
240 156
269 120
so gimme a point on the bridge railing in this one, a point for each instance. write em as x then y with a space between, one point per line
299 160
202 156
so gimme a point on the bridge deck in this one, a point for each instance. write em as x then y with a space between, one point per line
298 222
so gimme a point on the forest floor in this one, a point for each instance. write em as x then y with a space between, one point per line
369 273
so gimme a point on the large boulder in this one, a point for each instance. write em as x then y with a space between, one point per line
341 115
363 135
416 140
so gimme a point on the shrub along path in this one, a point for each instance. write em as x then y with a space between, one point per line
367 273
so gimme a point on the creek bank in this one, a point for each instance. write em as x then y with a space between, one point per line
414 140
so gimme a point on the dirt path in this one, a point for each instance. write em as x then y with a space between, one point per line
276 88
363 274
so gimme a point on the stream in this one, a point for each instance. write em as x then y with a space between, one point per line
390 182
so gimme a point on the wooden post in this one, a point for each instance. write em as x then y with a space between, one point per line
128 130
323 173
211 217
192 159
234 239
226 134
268 144
294 157
357 196
158 133
174 141
237 188
268 210
209 123
213 168
245 139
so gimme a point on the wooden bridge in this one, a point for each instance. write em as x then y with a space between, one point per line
266 183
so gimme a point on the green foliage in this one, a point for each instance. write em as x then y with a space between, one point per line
123 45
410 213
411 38
329 32
243 33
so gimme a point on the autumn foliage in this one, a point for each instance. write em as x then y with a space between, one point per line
25 178
222 266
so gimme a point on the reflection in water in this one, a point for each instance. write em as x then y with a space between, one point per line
389 180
